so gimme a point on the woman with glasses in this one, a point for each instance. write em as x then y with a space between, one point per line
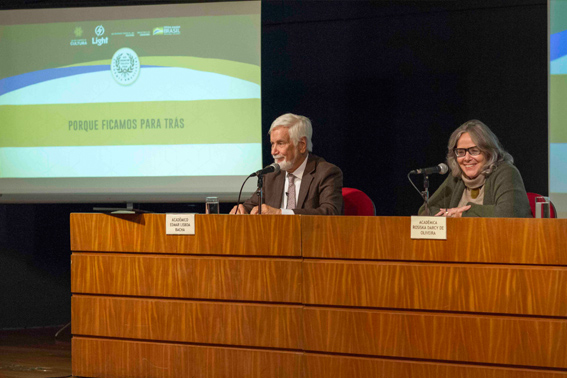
483 180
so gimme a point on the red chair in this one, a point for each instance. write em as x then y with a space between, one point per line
531 199
357 203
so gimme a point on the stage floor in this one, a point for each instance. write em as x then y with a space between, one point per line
35 353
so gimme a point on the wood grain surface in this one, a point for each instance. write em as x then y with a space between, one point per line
486 240
94 357
214 235
322 366
197 277
506 289
258 325
306 296
463 338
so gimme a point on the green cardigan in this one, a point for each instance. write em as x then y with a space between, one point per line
504 195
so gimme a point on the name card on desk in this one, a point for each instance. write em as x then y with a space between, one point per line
180 224
429 228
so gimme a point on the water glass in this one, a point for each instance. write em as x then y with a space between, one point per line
542 207
211 205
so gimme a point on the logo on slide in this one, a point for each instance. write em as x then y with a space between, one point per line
125 66
167 30
78 34
99 30
171 30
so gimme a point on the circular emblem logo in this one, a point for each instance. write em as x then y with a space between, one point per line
99 30
125 66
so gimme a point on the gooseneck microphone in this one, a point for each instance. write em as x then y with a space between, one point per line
441 169
274 167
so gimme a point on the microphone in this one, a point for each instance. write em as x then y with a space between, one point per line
441 169
274 167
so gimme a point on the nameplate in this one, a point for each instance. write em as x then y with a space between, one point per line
429 228
180 224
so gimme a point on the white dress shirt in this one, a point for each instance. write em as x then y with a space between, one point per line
298 173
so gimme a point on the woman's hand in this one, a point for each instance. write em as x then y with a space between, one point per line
455 212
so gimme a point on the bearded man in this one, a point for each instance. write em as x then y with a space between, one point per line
306 184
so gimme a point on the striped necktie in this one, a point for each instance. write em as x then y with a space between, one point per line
291 192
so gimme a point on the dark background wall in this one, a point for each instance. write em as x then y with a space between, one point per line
384 82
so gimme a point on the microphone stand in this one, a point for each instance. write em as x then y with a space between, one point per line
260 192
425 194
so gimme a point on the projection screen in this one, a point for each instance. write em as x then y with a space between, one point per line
141 103
557 107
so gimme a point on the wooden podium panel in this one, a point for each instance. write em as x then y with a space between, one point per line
430 336
171 276
483 240
318 296
440 287
324 366
214 235
239 324
95 357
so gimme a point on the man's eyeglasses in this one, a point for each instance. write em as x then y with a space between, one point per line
473 151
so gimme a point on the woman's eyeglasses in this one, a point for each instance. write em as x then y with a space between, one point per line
461 152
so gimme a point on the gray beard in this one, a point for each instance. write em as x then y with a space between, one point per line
286 165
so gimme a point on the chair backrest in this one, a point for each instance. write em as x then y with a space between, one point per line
531 199
357 202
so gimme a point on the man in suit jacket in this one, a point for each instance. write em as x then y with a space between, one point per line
315 187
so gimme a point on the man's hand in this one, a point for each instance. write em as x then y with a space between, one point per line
266 210
241 210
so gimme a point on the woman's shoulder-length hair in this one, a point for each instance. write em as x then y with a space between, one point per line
484 139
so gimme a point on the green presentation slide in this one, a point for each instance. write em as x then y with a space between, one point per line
146 91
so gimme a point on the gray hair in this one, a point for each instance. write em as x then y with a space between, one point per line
298 127
485 140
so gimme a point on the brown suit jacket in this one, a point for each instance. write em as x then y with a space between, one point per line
320 192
